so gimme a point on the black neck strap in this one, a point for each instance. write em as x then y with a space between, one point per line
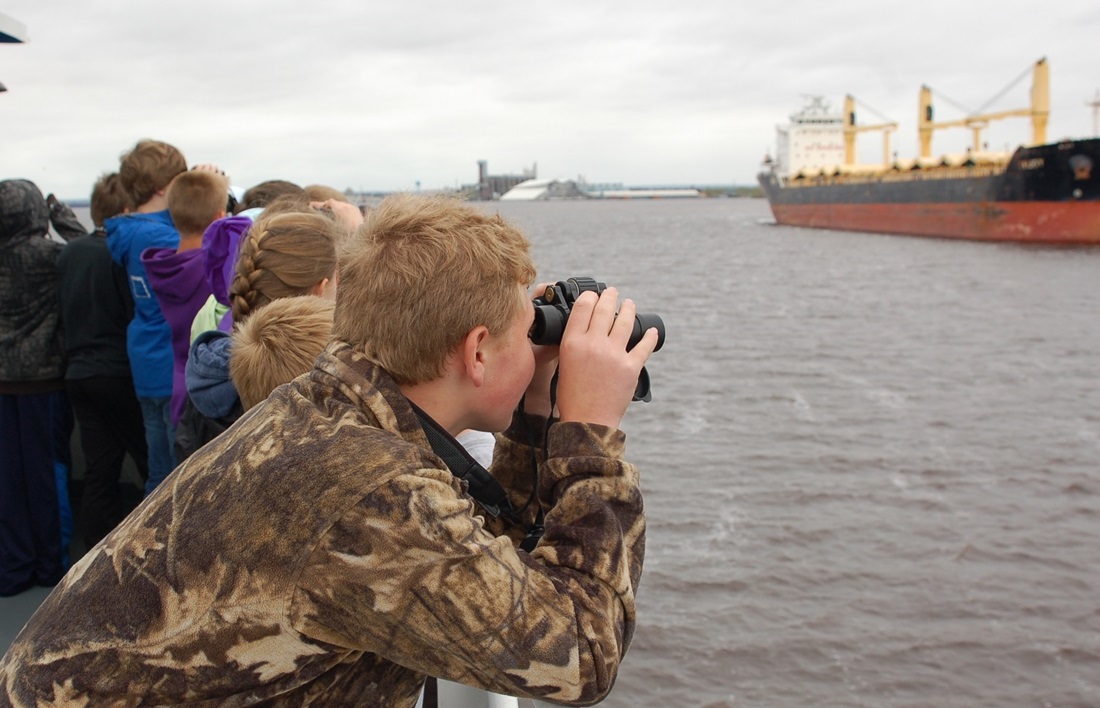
482 486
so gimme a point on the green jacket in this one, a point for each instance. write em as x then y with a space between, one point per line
319 552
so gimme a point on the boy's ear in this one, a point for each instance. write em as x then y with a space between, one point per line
474 354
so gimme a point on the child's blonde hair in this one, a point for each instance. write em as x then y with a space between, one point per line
284 254
419 274
277 344
321 192
195 199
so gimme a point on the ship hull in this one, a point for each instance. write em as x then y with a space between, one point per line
1046 194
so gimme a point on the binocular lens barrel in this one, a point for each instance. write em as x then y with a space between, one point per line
549 325
642 322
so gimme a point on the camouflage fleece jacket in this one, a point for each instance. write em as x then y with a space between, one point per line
319 553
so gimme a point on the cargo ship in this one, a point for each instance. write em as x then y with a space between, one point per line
1044 192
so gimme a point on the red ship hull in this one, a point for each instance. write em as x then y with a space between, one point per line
1070 223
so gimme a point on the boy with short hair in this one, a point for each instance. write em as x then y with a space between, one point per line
146 170
320 552
278 343
145 173
108 199
195 199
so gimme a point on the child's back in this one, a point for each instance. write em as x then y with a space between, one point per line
148 337
145 173
176 275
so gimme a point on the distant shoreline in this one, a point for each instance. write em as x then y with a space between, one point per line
707 190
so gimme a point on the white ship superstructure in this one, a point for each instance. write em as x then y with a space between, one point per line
813 141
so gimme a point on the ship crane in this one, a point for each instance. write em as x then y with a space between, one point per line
1039 112
851 130
1094 104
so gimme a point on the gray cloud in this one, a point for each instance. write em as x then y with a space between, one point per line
379 96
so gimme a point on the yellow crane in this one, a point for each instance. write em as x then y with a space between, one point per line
1039 112
851 130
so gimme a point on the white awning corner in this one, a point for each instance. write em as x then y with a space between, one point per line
11 31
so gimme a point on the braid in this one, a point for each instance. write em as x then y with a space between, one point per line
285 254
244 295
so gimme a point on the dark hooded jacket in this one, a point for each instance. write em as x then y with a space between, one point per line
211 404
32 352
208 382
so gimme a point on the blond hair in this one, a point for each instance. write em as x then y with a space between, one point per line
277 344
195 199
321 192
148 168
420 274
283 255
108 199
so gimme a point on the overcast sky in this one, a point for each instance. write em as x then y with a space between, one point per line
381 95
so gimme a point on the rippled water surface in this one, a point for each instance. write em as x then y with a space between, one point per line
871 465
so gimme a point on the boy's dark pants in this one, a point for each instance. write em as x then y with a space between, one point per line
111 425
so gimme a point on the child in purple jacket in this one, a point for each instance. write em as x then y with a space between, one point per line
195 200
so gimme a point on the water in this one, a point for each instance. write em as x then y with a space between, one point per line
871 465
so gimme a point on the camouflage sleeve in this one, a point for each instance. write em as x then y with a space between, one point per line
411 574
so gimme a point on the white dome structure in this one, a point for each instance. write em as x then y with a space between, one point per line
542 190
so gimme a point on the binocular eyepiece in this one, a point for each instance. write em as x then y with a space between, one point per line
552 310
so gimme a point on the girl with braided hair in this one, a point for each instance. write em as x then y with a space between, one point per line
287 252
